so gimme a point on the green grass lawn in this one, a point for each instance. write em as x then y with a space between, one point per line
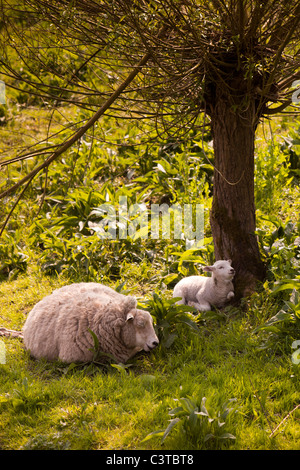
54 406
248 378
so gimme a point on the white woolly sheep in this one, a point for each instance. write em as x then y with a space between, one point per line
58 326
204 292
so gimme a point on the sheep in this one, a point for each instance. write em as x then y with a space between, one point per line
204 292
58 326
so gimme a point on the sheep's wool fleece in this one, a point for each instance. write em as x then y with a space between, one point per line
58 326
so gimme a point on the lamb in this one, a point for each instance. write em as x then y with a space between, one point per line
204 292
58 326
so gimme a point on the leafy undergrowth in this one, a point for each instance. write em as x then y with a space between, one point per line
221 380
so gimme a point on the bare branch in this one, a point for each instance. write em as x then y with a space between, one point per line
67 144
278 109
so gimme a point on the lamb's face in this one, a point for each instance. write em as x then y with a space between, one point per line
222 270
140 333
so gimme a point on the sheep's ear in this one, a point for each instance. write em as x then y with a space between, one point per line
208 268
129 316
229 261
129 303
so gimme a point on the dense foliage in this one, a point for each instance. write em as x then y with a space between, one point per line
224 379
52 239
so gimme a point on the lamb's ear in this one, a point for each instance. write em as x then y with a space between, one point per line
208 268
129 316
229 261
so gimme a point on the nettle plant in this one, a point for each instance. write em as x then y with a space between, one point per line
280 246
283 329
198 426
168 317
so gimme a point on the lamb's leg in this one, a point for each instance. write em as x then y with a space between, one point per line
230 295
202 307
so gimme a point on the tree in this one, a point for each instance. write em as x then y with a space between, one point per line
228 61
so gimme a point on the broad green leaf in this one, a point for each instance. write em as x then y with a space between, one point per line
95 339
188 404
208 436
173 423
289 284
226 435
170 340
176 411
153 434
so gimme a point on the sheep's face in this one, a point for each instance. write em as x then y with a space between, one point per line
222 270
139 331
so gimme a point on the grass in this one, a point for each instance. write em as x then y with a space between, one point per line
56 406
53 406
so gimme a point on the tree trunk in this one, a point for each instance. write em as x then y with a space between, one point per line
233 209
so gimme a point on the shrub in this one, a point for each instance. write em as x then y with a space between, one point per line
13 260
198 426
282 329
168 316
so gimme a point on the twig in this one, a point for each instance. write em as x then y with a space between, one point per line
11 333
44 193
15 205
68 143
284 419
